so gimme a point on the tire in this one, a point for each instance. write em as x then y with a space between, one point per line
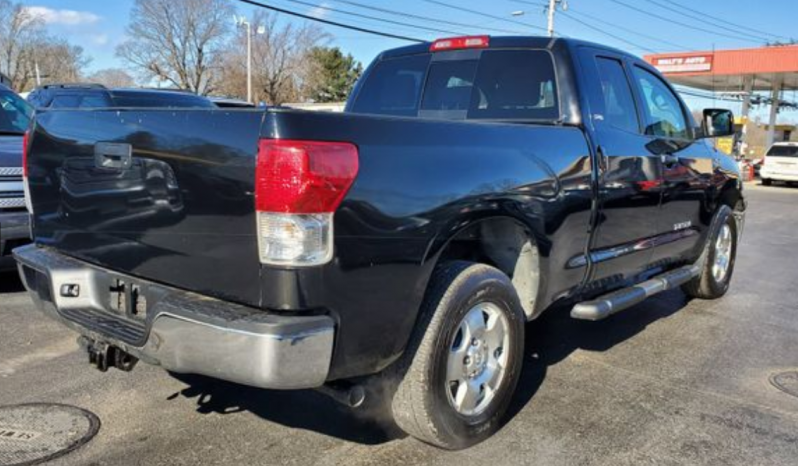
767 182
709 284
424 402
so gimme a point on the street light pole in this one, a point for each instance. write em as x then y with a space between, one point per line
242 21
249 62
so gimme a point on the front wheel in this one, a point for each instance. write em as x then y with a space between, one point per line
719 257
463 363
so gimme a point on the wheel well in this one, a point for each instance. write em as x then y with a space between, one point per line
732 197
503 243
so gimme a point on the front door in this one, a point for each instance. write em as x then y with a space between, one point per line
687 169
630 175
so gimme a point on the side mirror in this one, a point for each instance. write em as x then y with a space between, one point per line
717 123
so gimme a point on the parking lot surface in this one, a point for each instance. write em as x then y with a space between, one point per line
670 381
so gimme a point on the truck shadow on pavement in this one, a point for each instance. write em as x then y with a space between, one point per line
300 409
549 340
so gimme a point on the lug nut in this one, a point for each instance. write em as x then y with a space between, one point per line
474 342
497 354
467 360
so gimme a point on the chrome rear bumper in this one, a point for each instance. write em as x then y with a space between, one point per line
178 330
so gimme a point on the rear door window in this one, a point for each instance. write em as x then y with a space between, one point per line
616 104
783 151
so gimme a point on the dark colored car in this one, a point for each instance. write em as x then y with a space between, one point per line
99 96
15 115
226 102
471 184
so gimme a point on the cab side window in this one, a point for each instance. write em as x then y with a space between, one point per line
664 114
618 104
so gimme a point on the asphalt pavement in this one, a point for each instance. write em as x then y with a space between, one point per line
670 381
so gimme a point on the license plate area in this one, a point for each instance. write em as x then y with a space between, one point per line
127 298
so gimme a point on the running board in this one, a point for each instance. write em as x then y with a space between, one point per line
617 301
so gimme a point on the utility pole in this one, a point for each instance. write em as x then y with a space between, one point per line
551 9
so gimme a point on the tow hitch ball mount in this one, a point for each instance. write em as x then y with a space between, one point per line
102 355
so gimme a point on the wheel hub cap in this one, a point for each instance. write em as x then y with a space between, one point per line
723 253
477 359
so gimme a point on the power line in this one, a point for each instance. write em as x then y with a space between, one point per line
322 6
486 15
679 23
708 19
572 11
329 22
425 18
629 31
602 31
719 20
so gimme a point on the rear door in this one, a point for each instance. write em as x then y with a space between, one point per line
630 174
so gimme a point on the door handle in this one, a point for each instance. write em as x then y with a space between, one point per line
112 155
670 160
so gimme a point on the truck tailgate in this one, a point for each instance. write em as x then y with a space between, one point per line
161 194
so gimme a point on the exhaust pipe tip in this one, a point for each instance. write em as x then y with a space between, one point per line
352 396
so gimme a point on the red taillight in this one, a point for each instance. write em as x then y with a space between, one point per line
25 139
454 43
304 177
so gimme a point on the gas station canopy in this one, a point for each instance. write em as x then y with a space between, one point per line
762 69
744 71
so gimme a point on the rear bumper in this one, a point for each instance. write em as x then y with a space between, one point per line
178 330
777 175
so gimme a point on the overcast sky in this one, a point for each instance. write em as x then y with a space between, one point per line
639 26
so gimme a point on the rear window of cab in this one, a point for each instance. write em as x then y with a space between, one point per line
517 84
783 151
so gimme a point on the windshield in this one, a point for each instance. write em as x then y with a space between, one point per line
16 113
496 85
783 151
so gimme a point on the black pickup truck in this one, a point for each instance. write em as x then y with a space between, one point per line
470 184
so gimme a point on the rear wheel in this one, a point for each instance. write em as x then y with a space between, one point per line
719 258
462 366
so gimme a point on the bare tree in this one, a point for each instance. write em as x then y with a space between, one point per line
112 77
177 41
59 60
18 31
281 62
25 44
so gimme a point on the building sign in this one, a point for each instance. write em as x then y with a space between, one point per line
688 64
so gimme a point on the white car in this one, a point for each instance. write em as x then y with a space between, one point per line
780 163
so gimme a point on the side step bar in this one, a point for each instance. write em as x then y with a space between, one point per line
617 301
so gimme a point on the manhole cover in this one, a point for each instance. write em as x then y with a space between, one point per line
786 382
37 432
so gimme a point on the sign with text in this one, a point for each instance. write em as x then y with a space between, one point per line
684 64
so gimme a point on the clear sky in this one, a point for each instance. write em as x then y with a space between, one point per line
639 26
